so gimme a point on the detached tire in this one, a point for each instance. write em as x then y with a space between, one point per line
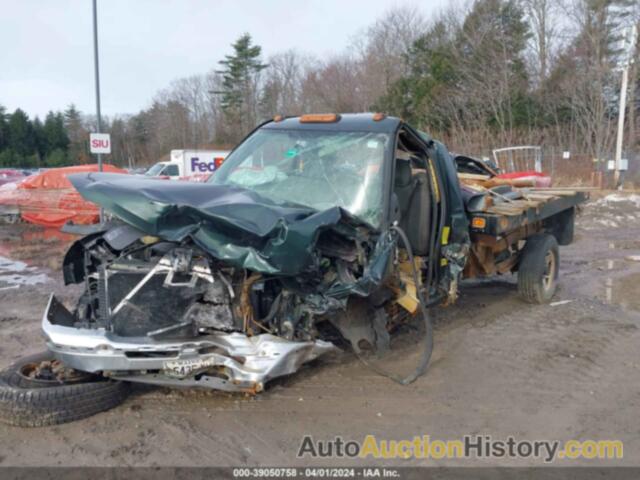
29 401
538 269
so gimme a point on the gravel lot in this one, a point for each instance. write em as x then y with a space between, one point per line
500 367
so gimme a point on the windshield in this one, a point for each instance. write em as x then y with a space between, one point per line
155 170
317 169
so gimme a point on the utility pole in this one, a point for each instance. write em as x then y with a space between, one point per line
627 58
97 75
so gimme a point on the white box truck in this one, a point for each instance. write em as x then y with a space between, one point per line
188 165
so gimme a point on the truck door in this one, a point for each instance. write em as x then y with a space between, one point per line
411 186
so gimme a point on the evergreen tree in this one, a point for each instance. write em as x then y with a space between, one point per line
76 133
40 139
20 134
57 158
432 71
54 132
492 44
3 129
72 119
240 78
6 158
469 75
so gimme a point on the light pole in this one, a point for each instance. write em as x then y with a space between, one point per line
97 75
630 37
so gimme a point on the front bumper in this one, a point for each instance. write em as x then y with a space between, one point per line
225 361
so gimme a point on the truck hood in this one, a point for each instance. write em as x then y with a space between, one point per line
230 223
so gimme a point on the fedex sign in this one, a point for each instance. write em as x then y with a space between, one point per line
100 143
198 166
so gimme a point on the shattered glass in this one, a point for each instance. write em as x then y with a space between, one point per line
233 224
317 169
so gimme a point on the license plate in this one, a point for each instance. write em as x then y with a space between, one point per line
186 367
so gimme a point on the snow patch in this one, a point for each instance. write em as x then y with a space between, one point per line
619 197
15 272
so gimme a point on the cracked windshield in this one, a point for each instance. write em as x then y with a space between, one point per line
316 169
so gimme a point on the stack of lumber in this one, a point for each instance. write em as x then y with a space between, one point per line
489 182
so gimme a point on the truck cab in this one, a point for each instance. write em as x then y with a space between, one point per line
164 169
196 165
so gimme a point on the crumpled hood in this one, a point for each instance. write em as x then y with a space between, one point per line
230 223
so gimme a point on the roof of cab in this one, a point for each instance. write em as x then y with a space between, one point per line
348 122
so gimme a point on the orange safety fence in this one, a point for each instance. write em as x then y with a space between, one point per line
49 198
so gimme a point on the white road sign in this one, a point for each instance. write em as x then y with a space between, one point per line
100 143
624 164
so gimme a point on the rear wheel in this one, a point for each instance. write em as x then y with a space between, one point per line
38 390
538 269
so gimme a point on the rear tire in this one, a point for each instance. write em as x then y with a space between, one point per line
538 269
26 401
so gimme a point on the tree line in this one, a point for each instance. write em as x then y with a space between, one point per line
488 74
35 143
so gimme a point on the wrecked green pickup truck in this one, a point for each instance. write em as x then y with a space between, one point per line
315 227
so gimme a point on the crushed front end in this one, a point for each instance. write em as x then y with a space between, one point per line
166 312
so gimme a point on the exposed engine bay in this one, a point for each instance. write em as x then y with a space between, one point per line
167 312
203 294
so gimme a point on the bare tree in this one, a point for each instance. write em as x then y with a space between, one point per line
634 73
471 74
543 17
587 79
380 52
282 87
334 86
191 93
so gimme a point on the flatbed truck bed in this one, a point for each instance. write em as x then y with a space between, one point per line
519 230
537 205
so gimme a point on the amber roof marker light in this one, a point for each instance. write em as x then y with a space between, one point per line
320 118
377 117
478 222
278 118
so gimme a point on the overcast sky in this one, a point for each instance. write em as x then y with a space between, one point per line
46 49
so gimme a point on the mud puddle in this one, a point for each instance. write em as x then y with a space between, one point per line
16 273
28 253
623 291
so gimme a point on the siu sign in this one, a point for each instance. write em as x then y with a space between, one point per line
100 143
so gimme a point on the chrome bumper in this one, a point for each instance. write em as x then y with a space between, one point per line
241 363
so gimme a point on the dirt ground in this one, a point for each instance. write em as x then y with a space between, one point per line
500 367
